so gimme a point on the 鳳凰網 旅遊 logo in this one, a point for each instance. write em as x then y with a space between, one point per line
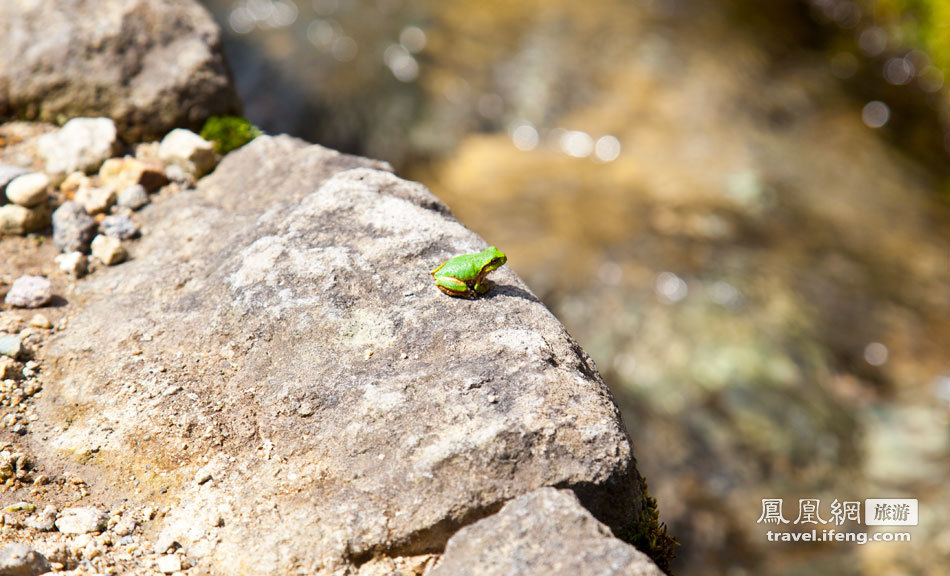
852 514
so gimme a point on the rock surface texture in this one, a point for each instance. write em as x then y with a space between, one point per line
276 367
151 66
543 532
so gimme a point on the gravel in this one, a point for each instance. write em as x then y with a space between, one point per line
81 144
108 250
125 526
191 152
73 263
176 173
11 346
28 190
73 182
40 321
96 200
133 197
119 226
81 520
9 368
18 220
169 564
29 292
7 173
73 228
45 521
121 173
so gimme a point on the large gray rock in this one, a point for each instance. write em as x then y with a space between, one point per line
544 533
151 66
276 356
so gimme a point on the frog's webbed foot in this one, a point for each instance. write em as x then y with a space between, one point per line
458 294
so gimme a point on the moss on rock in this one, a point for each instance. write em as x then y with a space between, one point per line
650 535
229 132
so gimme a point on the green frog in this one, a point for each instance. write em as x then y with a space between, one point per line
464 276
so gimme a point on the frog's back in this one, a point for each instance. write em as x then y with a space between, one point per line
464 266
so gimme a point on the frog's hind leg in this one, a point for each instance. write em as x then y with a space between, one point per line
454 287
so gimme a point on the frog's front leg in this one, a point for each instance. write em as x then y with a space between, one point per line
483 286
453 286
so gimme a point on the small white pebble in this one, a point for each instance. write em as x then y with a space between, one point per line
73 263
28 190
40 321
169 564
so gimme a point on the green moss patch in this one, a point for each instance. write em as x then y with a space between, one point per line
229 132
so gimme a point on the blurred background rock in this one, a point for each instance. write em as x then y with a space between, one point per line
739 208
